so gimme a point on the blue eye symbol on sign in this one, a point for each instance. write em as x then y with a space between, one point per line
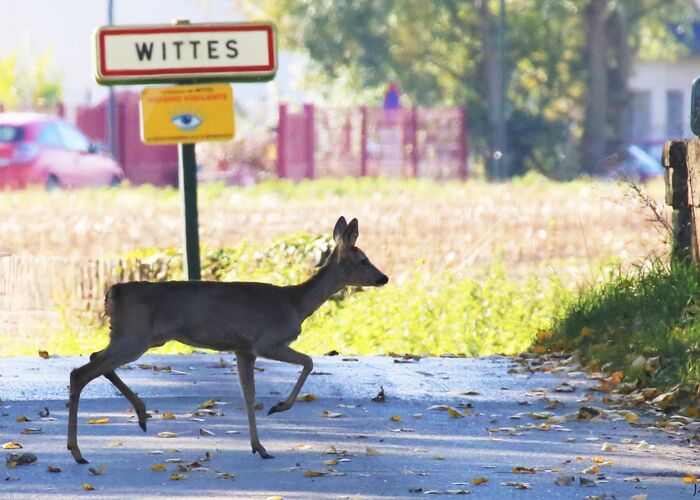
186 121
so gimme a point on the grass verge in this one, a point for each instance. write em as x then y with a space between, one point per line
643 324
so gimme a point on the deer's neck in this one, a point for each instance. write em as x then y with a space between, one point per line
311 294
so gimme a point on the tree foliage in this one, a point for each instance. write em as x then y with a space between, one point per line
435 50
33 84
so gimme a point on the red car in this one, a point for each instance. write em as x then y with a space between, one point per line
44 150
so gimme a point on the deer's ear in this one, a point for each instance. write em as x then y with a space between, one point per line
339 230
351 233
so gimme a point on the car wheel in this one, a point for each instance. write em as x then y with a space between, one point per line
52 182
115 182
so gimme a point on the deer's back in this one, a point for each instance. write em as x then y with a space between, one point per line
224 316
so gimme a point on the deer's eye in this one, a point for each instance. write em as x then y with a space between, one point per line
364 261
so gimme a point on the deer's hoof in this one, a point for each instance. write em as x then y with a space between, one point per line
263 454
278 408
142 424
77 456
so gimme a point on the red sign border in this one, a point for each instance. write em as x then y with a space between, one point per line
215 70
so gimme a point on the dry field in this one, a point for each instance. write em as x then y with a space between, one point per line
565 228
60 247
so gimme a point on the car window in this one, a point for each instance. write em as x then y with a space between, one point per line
73 139
50 136
9 133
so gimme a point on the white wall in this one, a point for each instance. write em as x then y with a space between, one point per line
658 77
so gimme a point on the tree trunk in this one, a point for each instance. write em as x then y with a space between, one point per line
596 103
493 66
619 95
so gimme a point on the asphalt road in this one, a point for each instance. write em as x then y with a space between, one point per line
350 441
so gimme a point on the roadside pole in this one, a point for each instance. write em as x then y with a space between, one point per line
187 175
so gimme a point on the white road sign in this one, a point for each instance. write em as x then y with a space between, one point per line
185 52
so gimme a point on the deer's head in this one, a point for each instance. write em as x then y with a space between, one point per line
354 265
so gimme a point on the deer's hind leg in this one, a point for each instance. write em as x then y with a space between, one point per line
135 401
102 363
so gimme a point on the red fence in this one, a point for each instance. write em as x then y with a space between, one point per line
141 163
415 142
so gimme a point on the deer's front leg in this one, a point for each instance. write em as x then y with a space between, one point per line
246 374
289 355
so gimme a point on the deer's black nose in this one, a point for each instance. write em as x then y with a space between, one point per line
383 280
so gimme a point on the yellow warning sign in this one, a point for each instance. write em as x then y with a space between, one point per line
187 114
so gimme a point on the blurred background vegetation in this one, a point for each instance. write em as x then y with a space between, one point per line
557 72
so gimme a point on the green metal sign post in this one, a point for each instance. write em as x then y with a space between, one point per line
187 174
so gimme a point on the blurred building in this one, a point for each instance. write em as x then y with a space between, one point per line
660 107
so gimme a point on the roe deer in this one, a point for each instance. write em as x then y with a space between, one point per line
251 319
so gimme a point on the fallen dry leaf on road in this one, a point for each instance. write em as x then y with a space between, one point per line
582 481
53 470
608 447
479 480
395 418
371 451
167 435
43 354
158 467
307 397
523 470
628 415
88 487
11 445
22 418
176 477
98 421
454 413
332 414
32 430
208 404
564 480
690 479
315 473
205 432
586 413
168 416
446 492
15 460
225 475
519 486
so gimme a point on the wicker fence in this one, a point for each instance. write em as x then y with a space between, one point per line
33 290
